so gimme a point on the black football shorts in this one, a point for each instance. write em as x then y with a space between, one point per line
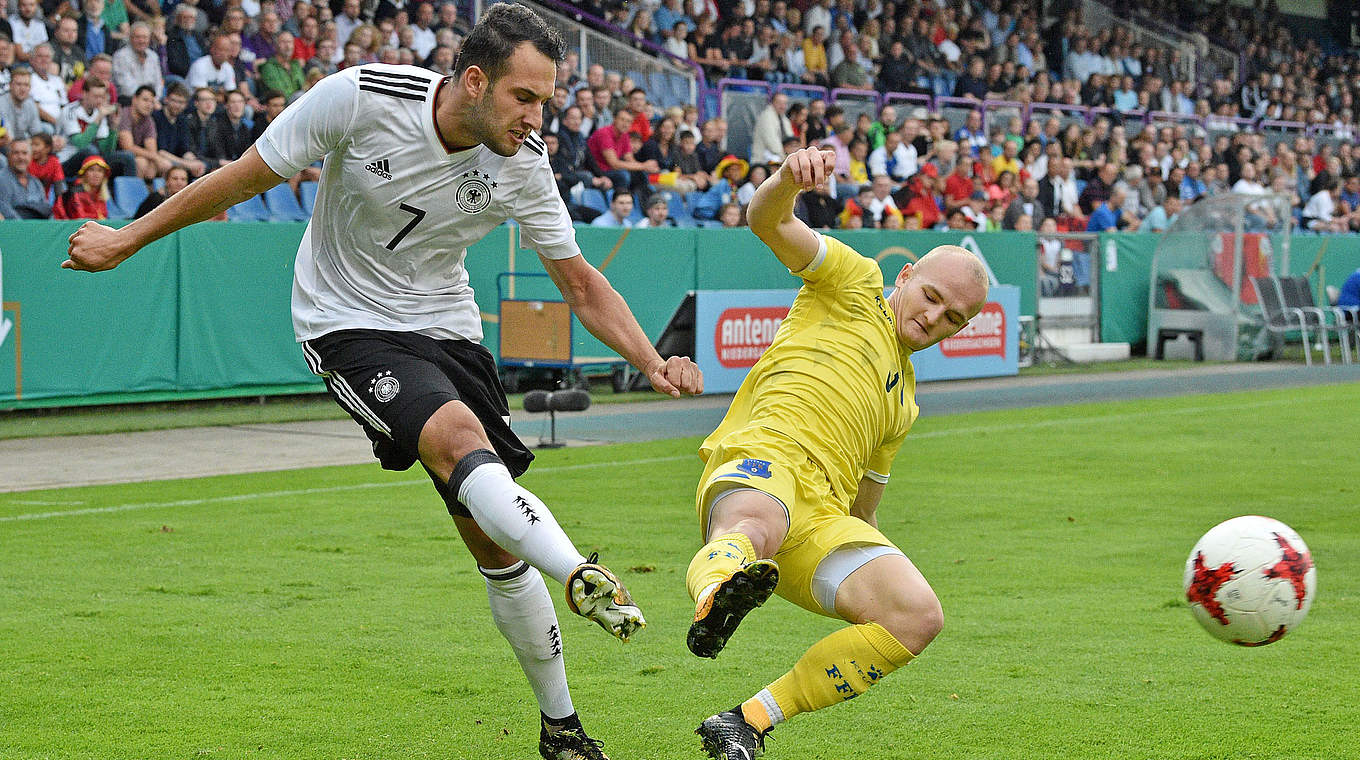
391 383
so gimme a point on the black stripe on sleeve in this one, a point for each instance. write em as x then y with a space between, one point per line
365 77
528 144
394 93
536 141
394 75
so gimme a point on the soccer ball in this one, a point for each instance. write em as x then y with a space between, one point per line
1250 580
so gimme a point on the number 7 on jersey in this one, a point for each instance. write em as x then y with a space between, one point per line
419 214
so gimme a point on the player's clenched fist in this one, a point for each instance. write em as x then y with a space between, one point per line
95 248
809 168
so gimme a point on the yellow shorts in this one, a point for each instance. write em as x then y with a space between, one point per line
819 523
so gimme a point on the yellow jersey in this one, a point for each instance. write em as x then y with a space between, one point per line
835 379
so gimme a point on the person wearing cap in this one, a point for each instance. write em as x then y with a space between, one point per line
89 198
730 171
656 214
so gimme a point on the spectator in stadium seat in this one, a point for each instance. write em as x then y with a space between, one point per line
196 125
88 199
136 64
619 210
730 215
611 149
1026 203
174 146
895 159
22 195
1058 190
214 70
758 174
184 44
688 165
137 132
1108 215
176 179
228 133
771 127
66 53
971 135
1098 188
852 71
656 214
282 73
730 172
713 147
1321 214
274 103
87 129
641 110
44 164
1162 217
973 83
18 112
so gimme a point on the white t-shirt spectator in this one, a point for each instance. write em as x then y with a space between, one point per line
900 165
49 93
1319 210
1248 187
202 73
28 34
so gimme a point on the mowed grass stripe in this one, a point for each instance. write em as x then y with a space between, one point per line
306 491
1087 419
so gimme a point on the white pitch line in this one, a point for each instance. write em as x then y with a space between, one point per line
303 492
1065 421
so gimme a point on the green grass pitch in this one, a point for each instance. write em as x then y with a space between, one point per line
333 614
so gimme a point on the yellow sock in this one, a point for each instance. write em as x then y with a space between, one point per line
717 560
839 667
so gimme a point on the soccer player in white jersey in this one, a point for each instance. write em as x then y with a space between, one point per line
418 167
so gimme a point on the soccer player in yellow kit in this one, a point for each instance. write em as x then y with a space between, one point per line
795 472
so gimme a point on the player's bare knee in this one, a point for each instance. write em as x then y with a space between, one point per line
913 617
450 434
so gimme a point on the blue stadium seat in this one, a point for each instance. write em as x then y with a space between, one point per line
308 192
593 198
677 209
252 210
128 194
283 205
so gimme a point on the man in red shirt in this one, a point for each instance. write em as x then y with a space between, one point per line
637 104
612 149
959 184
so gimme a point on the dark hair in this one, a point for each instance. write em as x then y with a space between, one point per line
146 88
500 30
178 88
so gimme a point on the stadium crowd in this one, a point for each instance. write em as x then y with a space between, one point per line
94 89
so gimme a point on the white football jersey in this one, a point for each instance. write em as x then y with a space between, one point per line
395 211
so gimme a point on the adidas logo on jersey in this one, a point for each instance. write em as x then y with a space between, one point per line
380 168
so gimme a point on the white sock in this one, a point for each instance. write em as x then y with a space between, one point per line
523 612
517 521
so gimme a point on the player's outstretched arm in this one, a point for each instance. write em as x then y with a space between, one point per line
770 214
605 314
95 248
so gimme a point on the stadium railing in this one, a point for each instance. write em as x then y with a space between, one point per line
1067 114
1115 115
955 110
1161 119
855 102
803 93
1277 132
914 99
996 113
1332 135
